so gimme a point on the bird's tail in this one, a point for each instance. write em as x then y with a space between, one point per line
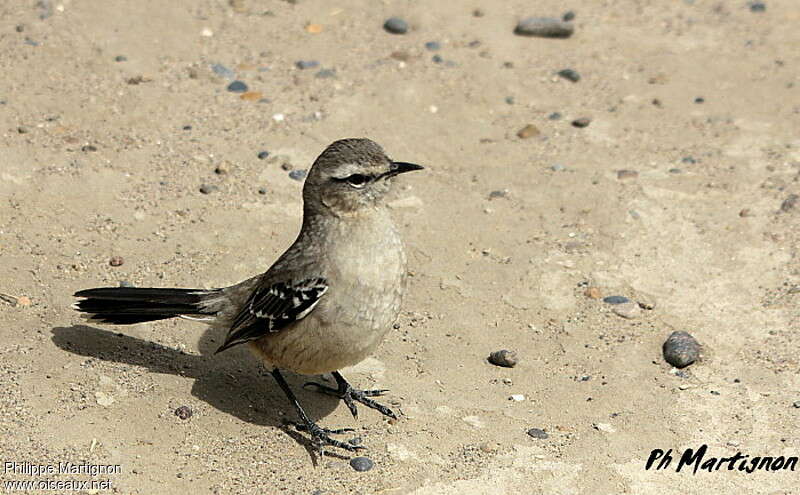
128 305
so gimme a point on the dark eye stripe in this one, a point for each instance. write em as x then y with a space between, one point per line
355 179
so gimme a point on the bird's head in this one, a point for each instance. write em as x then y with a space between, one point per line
350 175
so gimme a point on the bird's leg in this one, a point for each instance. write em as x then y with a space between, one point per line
350 395
320 436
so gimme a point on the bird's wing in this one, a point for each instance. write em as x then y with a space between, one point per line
273 307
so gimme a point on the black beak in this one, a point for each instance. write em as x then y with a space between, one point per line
403 167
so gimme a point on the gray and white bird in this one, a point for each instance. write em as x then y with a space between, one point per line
325 304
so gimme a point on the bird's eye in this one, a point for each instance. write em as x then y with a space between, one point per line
357 180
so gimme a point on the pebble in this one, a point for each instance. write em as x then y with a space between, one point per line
208 188
593 293
558 167
103 399
120 58
615 299
361 463
478 13
298 174
22 130
604 427
325 74
758 7
396 25
675 171
237 87
568 16
88 148
627 310
627 174
306 64
581 122
545 27
517 397
262 190
262 155
699 100
187 128
538 433
433 46
504 358
23 301
509 100
528 131
221 169
796 404
223 71
184 412
500 193
437 59
689 160
554 116
681 349
790 203
116 261
126 284
570 75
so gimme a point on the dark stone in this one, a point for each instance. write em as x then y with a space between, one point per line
262 190
299 174
361 464
568 16
237 87
396 25
581 122
208 188
88 148
538 433
187 128
262 155
325 74
615 299
504 358
681 349
544 27
433 46
790 203
306 64
116 261
758 7
120 58
699 100
183 412
570 75
554 116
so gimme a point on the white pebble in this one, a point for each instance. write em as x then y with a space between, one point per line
207 32
517 398
278 117
604 427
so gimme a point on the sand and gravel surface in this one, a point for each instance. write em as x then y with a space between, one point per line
667 174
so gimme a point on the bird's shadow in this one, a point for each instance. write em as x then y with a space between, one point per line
231 382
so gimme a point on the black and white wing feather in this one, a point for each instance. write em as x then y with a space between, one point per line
269 309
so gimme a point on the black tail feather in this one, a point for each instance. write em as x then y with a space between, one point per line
128 305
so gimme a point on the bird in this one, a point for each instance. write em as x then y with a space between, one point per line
326 303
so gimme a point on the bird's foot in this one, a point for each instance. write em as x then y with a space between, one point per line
322 436
352 395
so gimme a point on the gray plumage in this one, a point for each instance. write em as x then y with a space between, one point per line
329 299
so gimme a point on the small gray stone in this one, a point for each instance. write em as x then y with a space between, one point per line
758 7
568 16
558 167
361 464
396 25
262 190
325 74
223 71
306 64
208 188
262 155
627 174
615 299
298 174
790 203
538 433
437 59
120 58
237 87
509 100
689 160
544 27
570 75
796 404
504 358
433 46
681 349
554 116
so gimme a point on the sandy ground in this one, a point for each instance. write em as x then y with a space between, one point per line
97 161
